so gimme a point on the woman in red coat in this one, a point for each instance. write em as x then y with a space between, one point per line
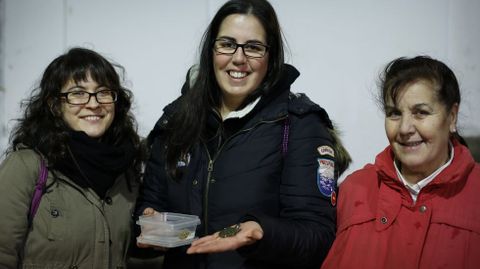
417 205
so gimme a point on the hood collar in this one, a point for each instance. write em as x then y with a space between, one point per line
455 173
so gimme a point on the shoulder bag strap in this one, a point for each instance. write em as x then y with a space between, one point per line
39 190
37 196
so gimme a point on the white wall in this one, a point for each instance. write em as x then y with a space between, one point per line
338 46
3 129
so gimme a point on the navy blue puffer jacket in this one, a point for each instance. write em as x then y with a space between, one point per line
245 176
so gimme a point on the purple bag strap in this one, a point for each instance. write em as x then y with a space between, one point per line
38 192
286 131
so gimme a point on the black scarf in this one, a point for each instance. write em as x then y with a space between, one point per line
93 164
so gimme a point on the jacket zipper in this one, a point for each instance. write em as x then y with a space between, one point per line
205 197
211 162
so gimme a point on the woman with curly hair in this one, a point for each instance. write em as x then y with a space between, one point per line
77 124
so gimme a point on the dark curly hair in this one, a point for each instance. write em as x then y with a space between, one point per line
42 127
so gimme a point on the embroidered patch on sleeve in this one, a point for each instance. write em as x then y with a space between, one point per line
325 176
326 150
333 198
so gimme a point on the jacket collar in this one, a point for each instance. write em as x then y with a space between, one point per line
392 192
456 172
244 111
273 104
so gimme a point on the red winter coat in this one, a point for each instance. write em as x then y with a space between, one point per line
378 225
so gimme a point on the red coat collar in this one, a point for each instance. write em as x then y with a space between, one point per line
461 166
392 192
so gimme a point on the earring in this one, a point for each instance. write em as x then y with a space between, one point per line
454 130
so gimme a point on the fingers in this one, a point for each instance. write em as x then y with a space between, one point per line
148 211
213 244
257 235
142 245
160 248
205 239
254 230
229 238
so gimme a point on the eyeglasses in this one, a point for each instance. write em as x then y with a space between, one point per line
250 49
83 97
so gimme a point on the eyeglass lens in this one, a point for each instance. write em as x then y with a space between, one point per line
250 49
83 97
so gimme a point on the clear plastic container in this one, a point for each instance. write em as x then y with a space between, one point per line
167 229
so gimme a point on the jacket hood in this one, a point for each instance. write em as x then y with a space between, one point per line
277 94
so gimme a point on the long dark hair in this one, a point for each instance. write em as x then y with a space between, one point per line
188 123
402 71
42 127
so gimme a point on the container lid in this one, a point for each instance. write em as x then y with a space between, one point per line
168 243
169 220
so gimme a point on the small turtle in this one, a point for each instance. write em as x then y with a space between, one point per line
183 234
229 231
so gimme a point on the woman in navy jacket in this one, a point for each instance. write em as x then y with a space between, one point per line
241 151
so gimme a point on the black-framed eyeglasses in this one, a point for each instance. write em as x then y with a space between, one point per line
250 49
83 97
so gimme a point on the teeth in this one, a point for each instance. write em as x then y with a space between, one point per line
92 118
236 74
412 144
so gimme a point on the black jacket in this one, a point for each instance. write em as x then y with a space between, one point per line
250 179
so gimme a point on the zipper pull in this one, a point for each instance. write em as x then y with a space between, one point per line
210 166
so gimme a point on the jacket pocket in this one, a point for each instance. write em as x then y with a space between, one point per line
57 224
354 220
